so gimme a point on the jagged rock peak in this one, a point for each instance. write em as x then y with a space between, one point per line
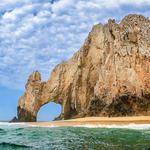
35 76
108 76
134 20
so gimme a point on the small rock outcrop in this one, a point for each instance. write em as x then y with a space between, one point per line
14 119
108 76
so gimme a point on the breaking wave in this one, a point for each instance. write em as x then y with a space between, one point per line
129 126
12 124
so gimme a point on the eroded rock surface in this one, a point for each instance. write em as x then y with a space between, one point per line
108 76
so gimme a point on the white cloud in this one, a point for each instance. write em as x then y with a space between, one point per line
36 34
62 5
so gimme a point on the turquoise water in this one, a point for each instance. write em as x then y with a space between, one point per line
72 138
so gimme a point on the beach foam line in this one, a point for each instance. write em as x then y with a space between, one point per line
22 124
45 126
129 126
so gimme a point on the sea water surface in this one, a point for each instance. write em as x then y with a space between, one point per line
25 137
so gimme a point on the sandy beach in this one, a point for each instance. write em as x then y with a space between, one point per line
95 121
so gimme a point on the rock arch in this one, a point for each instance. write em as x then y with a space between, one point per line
49 112
40 93
111 70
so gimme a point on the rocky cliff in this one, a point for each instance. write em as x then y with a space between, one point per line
108 76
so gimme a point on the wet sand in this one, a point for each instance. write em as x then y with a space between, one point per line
95 121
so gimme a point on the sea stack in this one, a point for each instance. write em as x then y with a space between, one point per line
108 76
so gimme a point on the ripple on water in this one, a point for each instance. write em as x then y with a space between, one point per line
5 145
73 138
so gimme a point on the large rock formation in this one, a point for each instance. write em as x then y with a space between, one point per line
108 76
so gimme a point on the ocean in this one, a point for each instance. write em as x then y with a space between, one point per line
25 137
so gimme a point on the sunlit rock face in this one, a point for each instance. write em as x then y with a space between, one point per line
108 76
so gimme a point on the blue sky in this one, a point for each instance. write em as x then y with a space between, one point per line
38 34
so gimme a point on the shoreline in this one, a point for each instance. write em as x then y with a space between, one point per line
95 121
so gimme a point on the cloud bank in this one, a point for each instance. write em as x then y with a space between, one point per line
38 34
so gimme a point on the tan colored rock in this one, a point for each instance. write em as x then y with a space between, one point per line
108 76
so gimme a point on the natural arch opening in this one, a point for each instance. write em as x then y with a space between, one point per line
49 112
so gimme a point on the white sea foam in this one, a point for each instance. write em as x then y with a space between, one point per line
44 126
129 126
7 124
